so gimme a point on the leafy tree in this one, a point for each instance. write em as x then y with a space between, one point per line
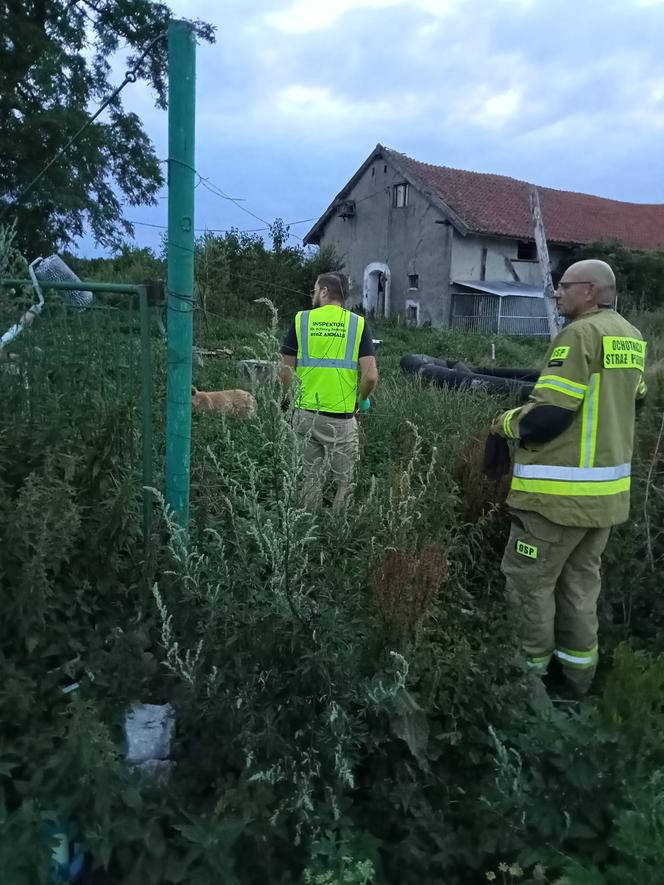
639 275
55 69
235 269
129 264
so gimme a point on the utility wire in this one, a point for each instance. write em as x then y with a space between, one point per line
220 230
130 77
215 189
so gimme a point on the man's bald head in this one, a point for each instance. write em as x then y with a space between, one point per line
597 272
585 285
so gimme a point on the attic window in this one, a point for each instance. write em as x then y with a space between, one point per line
413 281
400 196
526 251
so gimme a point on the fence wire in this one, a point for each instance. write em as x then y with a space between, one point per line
491 314
70 387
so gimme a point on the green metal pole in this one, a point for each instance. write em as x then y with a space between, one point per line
118 288
181 162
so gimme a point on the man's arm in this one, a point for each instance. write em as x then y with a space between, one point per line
544 423
368 376
557 395
368 367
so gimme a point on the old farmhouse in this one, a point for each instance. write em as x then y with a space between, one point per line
448 247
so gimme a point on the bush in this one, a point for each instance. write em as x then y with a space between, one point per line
639 275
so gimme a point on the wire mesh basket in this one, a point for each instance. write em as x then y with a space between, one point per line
54 270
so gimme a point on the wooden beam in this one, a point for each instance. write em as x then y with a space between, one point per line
511 269
550 304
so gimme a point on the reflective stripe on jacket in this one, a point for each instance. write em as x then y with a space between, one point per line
328 344
594 368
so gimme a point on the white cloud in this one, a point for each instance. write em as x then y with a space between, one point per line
314 106
501 108
580 129
655 90
649 113
304 16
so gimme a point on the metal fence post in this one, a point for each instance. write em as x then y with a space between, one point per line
181 174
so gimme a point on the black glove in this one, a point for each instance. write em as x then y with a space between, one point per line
497 460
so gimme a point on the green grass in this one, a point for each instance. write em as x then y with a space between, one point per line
241 337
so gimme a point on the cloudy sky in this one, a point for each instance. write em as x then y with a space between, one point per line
296 93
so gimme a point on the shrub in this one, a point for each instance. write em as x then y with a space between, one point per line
638 274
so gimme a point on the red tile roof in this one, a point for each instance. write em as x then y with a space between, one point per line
496 204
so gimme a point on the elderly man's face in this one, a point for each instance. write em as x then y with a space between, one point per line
574 296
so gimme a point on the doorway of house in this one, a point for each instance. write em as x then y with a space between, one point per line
376 289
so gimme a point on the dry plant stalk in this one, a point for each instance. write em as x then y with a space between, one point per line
478 494
651 486
405 585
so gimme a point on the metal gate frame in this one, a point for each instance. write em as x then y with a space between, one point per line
148 294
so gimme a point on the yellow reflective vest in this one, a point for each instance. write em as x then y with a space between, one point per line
593 368
328 344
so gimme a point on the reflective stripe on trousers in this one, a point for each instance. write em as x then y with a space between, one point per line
578 660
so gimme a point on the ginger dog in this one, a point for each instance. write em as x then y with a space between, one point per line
237 403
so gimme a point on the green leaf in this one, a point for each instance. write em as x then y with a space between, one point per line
409 722
132 798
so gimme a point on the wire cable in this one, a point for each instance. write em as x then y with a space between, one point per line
214 189
219 230
217 191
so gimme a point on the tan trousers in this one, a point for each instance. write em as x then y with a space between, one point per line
326 443
553 584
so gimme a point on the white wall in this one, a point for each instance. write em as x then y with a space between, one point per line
467 259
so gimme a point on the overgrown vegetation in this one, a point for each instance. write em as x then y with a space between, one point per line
640 275
232 272
351 705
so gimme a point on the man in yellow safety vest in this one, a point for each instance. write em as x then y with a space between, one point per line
573 444
331 351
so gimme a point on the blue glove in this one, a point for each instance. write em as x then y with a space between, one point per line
364 405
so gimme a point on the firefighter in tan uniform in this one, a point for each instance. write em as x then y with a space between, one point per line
573 444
